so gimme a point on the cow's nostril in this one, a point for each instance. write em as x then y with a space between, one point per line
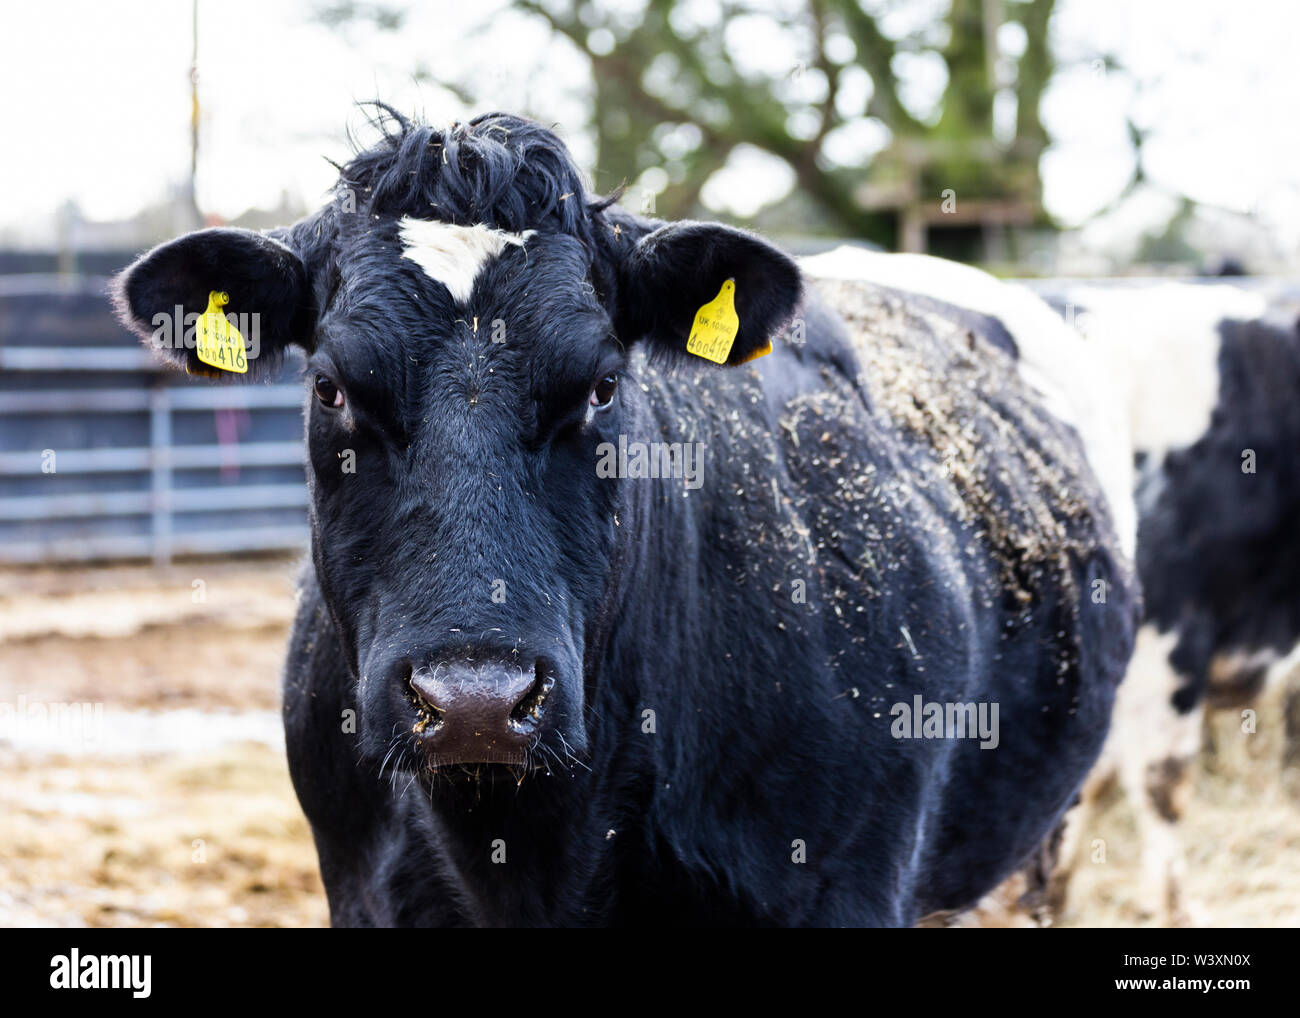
527 713
428 716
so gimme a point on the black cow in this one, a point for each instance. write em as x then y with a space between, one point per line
530 684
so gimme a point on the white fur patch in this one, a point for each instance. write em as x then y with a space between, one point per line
454 255
1161 343
1053 358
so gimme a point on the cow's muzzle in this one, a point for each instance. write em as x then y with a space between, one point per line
470 712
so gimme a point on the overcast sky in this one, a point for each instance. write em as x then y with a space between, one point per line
96 101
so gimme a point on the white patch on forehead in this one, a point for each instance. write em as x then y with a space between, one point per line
454 255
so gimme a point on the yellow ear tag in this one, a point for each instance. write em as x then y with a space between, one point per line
217 341
715 326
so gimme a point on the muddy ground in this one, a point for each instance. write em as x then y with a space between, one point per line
168 803
173 807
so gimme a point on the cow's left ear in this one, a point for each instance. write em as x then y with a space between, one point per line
256 277
674 273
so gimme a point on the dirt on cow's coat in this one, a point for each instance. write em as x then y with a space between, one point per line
166 801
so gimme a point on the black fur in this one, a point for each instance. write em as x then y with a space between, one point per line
475 463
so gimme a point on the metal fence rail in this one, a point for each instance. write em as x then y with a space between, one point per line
105 454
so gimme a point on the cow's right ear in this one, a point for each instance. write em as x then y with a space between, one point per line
264 282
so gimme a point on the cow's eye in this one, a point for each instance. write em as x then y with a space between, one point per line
328 393
602 393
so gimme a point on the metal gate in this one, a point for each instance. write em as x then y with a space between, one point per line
105 454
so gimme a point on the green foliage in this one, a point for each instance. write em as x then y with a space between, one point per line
676 85
668 69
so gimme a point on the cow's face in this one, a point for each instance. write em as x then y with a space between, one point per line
461 382
460 379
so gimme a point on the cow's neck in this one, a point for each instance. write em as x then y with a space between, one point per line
657 634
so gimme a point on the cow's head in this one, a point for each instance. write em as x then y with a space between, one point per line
467 316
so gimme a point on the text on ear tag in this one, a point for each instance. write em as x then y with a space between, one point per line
216 340
715 326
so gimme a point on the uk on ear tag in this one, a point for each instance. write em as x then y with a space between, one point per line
216 340
715 326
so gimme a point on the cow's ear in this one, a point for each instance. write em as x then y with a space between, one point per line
261 285
684 270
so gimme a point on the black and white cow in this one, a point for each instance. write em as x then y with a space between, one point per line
1210 376
597 631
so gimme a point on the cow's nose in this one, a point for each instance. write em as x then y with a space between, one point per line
479 711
